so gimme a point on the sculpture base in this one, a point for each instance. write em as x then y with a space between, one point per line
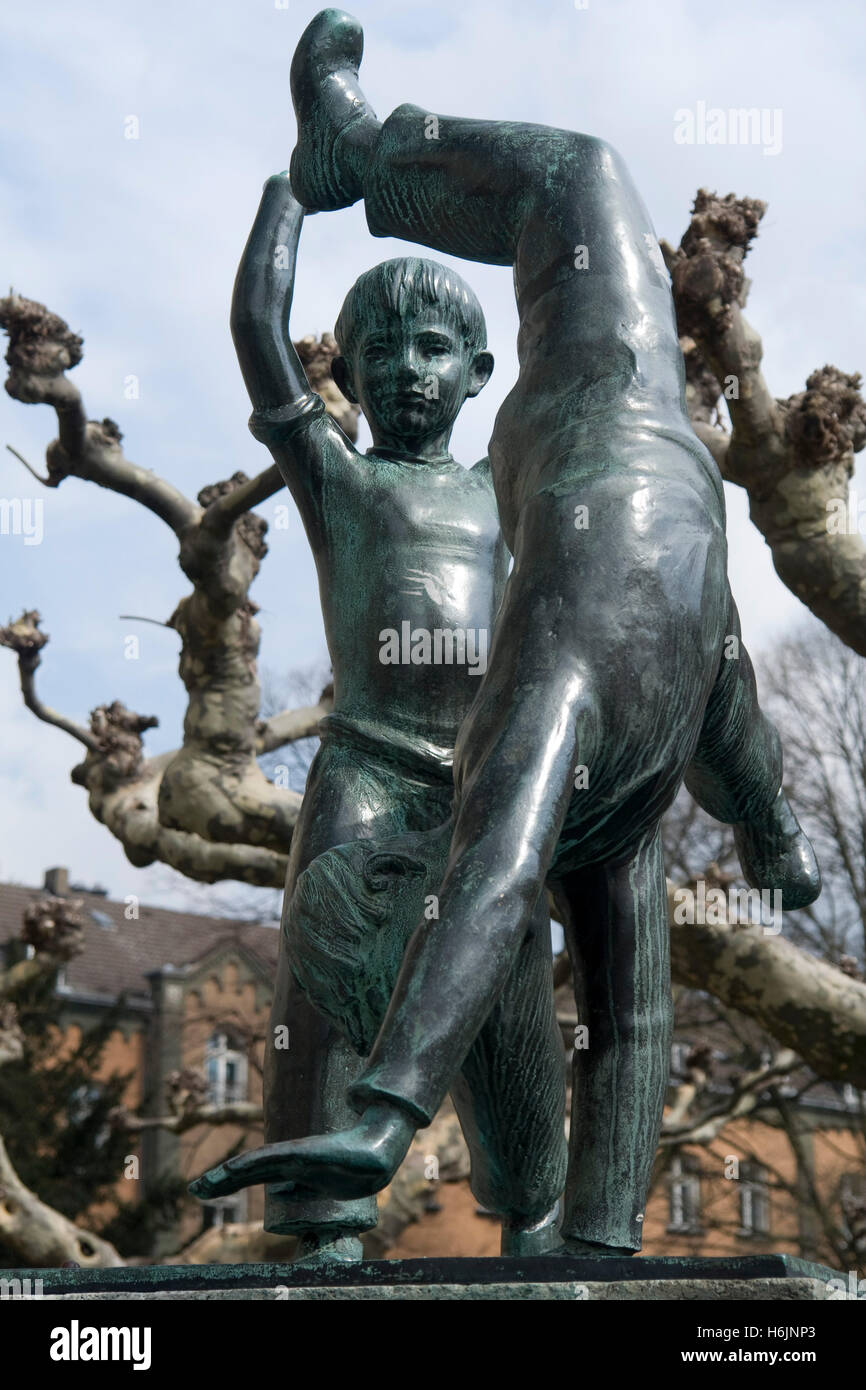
641 1278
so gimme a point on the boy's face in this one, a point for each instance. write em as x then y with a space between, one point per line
411 375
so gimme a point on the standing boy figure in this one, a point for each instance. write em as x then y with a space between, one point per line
613 673
411 565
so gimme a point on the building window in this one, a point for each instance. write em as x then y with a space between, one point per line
684 1195
754 1200
852 1201
226 1070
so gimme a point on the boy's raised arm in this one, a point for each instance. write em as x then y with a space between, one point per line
275 379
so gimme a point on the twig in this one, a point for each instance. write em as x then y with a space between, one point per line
46 482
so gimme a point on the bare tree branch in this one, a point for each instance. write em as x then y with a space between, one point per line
33 1233
242 1112
41 350
803 1002
794 457
745 1097
291 725
38 1236
129 807
24 638
223 513
46 482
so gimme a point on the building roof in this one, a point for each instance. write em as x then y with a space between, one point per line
118 953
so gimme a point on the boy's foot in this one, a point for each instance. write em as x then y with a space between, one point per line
349 1163
318 1250
775 854
336 124
589 1247
541 1239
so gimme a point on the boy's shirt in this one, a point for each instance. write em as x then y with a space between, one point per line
411 567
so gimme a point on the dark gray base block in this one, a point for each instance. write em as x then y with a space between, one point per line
645 1278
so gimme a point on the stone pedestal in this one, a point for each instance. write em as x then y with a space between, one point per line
640 1279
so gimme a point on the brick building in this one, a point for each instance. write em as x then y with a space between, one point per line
786 1178
191 993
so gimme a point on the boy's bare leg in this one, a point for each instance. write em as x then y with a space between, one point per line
312 1078
305 1083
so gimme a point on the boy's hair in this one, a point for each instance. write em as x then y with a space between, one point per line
404 286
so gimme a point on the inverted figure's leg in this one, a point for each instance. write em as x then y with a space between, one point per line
616 928
510 1097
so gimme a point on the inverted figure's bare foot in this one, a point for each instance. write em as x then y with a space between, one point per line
336 124
349 1163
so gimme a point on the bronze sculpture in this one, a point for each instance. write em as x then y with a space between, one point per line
612 674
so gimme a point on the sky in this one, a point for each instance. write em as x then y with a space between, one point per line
135 241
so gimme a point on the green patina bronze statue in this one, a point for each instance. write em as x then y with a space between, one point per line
616 671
